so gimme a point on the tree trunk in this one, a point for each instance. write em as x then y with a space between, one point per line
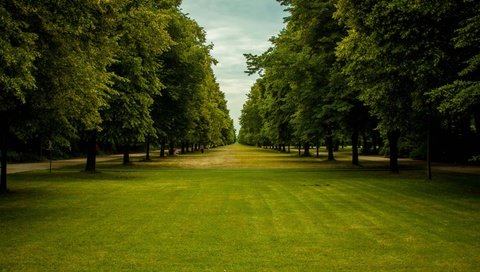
429 159
368 144
126 155
162 148
376 142
147 151
91 152
330 148
171 150
476 118
355 146
307 150
3 175
393 137
183 148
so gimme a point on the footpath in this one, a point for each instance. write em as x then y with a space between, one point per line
45 165
238 156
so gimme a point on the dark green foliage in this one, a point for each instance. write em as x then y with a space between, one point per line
191 109
142 40
400 72
397 52
76 72
306 98
17 56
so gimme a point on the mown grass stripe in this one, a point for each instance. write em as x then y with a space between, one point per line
248 219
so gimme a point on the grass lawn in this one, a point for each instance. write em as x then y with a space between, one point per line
240 209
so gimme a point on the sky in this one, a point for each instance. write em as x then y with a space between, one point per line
236 27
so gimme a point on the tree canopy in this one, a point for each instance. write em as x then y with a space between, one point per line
77 73
339 66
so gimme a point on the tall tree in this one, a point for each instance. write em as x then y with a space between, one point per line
319 87
17 56
78 44
176 109
459 100
142 40
69 70
251 118
191 108
305 91
395 52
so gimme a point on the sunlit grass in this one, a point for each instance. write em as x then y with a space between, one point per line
239 210
246 157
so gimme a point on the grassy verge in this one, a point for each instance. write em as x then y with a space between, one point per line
259 216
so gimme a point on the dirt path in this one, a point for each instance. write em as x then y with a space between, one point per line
25 167
238 156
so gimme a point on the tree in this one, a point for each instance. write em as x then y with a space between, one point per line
318 85
70 79
395 52
17 56
78 43
142 40
71 70
176 110
191 108
304 89
251 118
276 110
459 101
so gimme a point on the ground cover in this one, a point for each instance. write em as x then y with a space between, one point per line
240 209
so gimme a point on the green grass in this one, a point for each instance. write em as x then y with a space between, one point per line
309 215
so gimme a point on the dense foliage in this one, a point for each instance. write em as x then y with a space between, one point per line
75 75
401 76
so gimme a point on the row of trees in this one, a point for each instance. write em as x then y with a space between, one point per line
403 73
122 73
